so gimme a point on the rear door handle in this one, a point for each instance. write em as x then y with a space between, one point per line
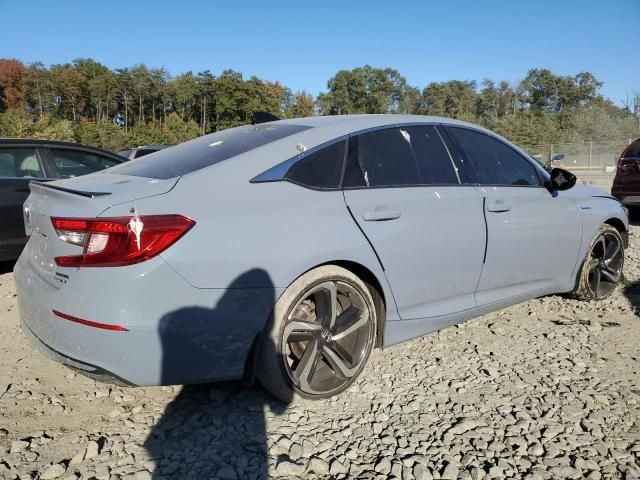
498 206
380 214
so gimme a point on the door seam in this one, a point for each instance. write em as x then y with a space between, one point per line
486 228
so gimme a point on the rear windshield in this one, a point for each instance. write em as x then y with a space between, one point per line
205 151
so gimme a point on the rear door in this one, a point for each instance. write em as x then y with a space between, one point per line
533 236
18 166
403 190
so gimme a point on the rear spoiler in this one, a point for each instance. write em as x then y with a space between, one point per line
69 190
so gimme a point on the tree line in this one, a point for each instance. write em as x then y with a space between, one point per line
88 102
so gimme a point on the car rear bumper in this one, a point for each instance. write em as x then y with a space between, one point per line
175 333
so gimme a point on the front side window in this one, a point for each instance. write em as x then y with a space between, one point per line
20 163
412 155
492 162
74 163
321 169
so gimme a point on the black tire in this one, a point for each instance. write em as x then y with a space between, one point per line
609 271
302 356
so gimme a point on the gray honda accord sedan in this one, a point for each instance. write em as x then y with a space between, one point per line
287 250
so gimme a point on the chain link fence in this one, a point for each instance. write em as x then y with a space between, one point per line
594 163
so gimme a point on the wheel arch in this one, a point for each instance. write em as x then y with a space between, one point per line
371 279
621 227
358 269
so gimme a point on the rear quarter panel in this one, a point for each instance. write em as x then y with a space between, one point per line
280 228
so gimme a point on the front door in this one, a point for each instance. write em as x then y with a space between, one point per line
533 236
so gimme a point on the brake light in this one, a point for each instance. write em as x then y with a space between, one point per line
113 242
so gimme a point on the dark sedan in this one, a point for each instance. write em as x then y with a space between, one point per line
24 160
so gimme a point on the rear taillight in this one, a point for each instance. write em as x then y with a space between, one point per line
113 242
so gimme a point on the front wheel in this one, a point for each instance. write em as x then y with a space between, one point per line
322 332
602 268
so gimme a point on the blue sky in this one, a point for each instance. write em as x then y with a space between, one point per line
302 44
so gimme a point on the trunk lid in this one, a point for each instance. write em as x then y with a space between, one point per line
81 197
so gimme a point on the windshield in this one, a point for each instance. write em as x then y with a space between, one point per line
205 151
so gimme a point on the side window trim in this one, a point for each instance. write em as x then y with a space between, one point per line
453 138
446 147
468 174
464 173
49 164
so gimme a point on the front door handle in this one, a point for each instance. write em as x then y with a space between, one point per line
498 206
380 214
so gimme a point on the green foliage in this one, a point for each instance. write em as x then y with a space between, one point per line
451 99
529 128
86 101
15 123
49 129
176 130
364 90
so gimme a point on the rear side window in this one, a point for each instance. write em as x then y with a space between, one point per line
205 151
321 169
20 163
399 156
74 163
492 162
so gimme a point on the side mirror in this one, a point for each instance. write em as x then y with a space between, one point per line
561 180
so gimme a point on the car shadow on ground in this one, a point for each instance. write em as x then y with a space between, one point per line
6 267
632 292
215 430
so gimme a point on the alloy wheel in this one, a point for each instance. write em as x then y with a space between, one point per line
605 265
327 337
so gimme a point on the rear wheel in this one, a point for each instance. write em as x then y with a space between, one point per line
602 268
323 330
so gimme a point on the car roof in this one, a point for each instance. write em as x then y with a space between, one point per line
333 126
5 141
363 121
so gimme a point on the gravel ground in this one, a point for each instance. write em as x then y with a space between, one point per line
546 389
